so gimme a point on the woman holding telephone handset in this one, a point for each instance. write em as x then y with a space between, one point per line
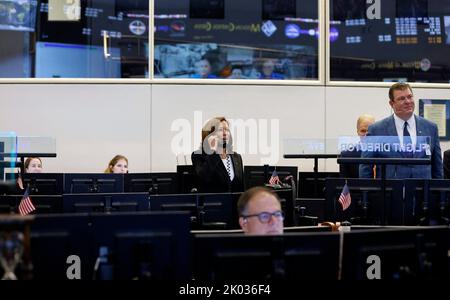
217 167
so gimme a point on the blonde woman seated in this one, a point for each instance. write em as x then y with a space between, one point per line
117 165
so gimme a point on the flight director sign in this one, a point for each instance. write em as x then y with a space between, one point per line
385 146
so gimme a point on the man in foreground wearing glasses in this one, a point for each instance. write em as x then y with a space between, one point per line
260 212
408 128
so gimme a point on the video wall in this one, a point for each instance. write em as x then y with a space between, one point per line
250 39
384 40
410 41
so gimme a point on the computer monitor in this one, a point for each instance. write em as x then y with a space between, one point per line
56 237
187 180
287 205
215 211
427 202
8 204
76 183
260 175
153 183
144 245
367 206
402 253
312 185
44 183
44 204
105 202
291 256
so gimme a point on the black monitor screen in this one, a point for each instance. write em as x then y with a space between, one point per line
221 257
215 210
105 202
8 204
120 18
153 246
44 204
187 180
312 185
427 202
153 183
53 239
402 40
407 253
75 183
44 183
367 206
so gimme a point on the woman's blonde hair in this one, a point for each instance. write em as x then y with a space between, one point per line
114 161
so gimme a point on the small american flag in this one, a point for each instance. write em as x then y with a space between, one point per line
345 199
26 206
274 179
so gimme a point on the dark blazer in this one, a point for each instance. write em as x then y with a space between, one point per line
447 164
212 177
349 170
386 127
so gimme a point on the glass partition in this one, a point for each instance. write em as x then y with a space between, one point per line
377 145
36 145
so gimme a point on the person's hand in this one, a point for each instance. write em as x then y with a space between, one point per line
213 142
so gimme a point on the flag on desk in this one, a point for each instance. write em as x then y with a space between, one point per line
26 206
274 179
345 199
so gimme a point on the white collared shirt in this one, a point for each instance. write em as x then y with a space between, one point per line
399 123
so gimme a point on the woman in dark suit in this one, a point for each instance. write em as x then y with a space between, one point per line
217 167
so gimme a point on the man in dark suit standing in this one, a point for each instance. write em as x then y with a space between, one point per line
362 126
406 130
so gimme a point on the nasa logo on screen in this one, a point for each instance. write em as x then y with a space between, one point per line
137 27
292 31
268 28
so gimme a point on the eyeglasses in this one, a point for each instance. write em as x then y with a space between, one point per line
404 98
265 217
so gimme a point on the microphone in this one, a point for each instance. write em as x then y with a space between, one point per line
290 177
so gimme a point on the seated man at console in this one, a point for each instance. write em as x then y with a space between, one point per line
260 212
